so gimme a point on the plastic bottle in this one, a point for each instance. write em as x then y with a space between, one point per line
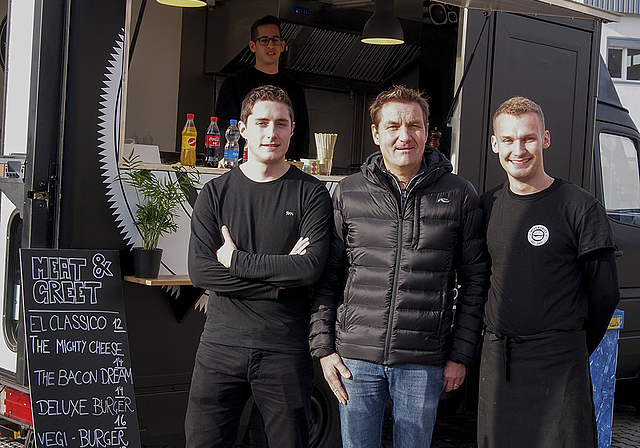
189 138
212 144
245 153
231 149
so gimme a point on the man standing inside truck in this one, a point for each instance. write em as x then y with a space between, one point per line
408 237
267 45
259 239
553 291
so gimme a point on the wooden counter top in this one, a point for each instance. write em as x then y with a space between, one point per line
161 280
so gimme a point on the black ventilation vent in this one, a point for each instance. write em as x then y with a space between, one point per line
323 57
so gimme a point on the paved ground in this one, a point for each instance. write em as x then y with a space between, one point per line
626 427
459 431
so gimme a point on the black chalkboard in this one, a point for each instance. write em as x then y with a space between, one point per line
77 350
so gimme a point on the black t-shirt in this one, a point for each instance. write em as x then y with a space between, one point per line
262 301
534 242
236 87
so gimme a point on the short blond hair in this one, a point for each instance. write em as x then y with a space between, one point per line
518 106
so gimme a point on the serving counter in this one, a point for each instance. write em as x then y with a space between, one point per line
216 171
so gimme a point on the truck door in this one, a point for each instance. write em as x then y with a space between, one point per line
617 185
621 193
548 60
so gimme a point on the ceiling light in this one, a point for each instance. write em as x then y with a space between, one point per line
183 3
383 28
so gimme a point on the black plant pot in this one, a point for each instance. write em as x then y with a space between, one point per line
146 262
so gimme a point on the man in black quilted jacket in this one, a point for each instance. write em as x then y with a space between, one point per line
407 243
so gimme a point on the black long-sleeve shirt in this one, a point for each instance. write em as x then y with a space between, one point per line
236 87
262 301
600 284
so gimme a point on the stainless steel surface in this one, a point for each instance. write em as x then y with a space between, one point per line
337 54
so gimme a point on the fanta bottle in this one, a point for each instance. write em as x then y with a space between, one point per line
189 138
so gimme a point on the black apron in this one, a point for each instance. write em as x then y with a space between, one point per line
535 391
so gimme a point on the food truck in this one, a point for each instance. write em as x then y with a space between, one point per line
73 91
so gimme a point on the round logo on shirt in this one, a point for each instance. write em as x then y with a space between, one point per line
538 235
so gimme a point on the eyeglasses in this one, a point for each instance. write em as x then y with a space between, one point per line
264 41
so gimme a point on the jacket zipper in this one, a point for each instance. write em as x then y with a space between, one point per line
404 194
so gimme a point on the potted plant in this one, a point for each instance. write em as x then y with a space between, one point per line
158 202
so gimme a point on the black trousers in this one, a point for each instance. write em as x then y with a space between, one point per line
224 378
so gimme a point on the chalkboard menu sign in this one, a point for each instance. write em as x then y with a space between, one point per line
77 349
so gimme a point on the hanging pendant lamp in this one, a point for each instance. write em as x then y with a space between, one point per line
183 3
383 28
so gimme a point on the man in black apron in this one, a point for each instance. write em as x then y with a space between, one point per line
553 291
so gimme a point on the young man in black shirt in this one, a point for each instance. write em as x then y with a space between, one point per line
267 44
259 239
553 291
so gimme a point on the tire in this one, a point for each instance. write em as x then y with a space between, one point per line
324 417
627 392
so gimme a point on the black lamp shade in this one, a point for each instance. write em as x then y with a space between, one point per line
383 28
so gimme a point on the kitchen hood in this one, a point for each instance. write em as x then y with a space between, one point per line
324 57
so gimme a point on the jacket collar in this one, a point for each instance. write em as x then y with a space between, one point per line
434 165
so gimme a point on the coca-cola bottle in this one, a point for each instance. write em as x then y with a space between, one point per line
212 144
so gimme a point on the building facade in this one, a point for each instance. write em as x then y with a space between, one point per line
620 49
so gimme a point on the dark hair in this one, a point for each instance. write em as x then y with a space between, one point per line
266 20
517 106
399 94
264 93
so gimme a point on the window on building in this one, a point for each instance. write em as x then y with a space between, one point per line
623 58
614 62
633 64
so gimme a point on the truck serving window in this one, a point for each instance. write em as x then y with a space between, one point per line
620 178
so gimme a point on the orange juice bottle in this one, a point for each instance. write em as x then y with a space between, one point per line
189 138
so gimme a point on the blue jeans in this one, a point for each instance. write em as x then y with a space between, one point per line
414 392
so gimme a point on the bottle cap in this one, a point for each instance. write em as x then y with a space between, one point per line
190 116
233 121
214 118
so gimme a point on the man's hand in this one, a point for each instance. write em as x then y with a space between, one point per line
225 252
453 375
301 247
332 366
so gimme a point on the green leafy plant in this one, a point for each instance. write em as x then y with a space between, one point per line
158 199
